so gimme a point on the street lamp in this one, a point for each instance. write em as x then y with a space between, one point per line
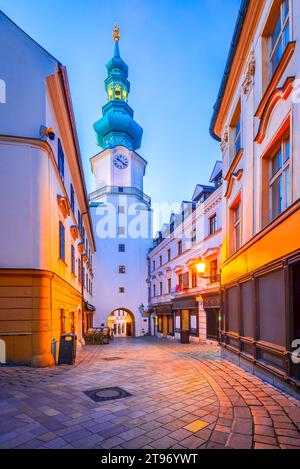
200 267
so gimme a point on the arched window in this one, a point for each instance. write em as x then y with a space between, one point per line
62 322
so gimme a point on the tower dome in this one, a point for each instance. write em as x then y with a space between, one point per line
117 126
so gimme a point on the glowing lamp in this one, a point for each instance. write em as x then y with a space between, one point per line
200 267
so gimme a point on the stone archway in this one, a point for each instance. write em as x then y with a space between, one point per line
122 321
2 351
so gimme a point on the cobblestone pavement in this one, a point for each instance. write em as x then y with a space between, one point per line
182 396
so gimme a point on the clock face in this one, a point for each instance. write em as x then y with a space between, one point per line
120 161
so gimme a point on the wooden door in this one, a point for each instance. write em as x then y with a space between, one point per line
165 326
185 320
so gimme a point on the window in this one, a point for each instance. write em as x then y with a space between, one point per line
169 285
73 259
79 270
280 35
87 281
179 246
279 182
72 322
194 236
184 280
153 265
79 221
237 232
121 290
169 255
237 136
72 197
160 261
160 288
61 241
121 247
61 160
122 269
83 276
62 322
214 271
154 290
213 224
194 279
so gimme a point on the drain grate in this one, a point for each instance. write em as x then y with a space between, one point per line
107 394
110 359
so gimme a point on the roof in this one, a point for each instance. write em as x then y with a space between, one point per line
29 37
217 171
200 188
233 47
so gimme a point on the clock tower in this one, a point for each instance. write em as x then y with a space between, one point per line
121 212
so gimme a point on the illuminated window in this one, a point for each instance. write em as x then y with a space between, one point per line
280 36
118 92
110 93
124 95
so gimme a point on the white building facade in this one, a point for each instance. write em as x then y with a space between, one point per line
121 212
184 268
46 236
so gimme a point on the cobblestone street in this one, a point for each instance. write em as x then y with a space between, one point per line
181 396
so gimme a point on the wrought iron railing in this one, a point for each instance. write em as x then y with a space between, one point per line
120 191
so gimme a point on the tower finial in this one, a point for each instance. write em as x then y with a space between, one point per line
116 33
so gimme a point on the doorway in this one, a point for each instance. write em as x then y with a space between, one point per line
212 323
121 321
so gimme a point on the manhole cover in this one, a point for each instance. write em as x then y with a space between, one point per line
109 359
107 394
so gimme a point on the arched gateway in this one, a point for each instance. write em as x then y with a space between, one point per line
122 322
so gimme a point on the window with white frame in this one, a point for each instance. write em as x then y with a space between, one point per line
280 35
237 136
279 182
237 225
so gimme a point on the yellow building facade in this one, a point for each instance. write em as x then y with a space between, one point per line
257 121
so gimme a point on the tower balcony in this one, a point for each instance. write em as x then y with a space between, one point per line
117 190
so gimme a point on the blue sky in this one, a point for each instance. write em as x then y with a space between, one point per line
176 51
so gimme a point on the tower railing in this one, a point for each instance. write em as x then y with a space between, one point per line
120 191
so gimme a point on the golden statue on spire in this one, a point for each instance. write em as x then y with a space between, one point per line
116 33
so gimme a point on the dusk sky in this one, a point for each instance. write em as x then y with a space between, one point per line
176 52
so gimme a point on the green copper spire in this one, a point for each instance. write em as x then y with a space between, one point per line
117 126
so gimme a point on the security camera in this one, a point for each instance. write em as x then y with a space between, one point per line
47 132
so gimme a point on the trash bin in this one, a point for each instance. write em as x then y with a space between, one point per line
185 337
67 349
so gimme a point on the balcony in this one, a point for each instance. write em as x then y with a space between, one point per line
116 190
